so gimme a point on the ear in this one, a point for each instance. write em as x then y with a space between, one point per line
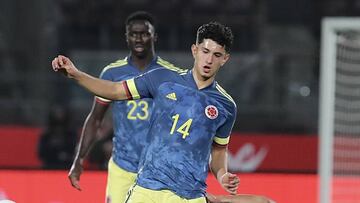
126 37
225 59
194 50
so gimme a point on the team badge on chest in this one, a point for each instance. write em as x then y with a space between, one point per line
211 112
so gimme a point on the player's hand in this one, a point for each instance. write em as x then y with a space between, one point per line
75 173
65 66
230 182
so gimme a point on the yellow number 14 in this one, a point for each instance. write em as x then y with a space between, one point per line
183 129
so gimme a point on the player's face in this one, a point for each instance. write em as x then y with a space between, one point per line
140 37
209 57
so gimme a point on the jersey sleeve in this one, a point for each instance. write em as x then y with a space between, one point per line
222 136
143 86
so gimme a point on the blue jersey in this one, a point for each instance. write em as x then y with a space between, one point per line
186 122
131 119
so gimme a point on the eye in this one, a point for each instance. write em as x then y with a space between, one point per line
145 34
132 34
217 55
205 51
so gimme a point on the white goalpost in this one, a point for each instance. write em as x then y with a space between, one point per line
339 111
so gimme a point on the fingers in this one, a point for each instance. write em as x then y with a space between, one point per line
55 64
75 183
231 189
74 177
232 179
62 60
235 180
58 62
232 176
231 183
228 186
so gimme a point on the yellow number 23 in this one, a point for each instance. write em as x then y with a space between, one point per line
143 105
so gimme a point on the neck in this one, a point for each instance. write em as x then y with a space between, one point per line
142 62
201 82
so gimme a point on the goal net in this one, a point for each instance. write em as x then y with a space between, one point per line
339 121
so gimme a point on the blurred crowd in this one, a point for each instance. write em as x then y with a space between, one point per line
57 142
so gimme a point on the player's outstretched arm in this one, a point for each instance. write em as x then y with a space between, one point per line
103 88
88 137
230 182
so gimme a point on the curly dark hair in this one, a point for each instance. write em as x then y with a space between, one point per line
217 32
140 15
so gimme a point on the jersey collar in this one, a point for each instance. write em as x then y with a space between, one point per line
150 66
189 77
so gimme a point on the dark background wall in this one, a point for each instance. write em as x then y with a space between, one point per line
273 73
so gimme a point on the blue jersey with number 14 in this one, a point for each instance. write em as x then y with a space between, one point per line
186 121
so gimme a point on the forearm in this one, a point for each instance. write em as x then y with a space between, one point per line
103 88
91 128
87 138
218 164
228 181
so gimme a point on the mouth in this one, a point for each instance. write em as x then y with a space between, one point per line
139 48
206 69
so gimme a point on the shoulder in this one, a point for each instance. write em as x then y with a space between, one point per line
114 65
170 67
165 73
225 97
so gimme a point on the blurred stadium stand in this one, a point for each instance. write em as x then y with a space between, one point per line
274 63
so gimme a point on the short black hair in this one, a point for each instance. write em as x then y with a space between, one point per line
140 15
217 32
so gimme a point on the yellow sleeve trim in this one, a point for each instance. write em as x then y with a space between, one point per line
223 92
221 141
132 88
116 64
171 66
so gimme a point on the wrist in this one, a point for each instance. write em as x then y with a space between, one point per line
220 175
78 75
79 160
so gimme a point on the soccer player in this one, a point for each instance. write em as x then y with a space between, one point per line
130 118
192 120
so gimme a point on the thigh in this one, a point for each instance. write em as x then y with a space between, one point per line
119 182
197 200
244 198
172 197
142 195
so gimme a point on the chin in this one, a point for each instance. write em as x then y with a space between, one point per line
140 54
206 76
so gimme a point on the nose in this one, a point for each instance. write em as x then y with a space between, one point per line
209 59
137 37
